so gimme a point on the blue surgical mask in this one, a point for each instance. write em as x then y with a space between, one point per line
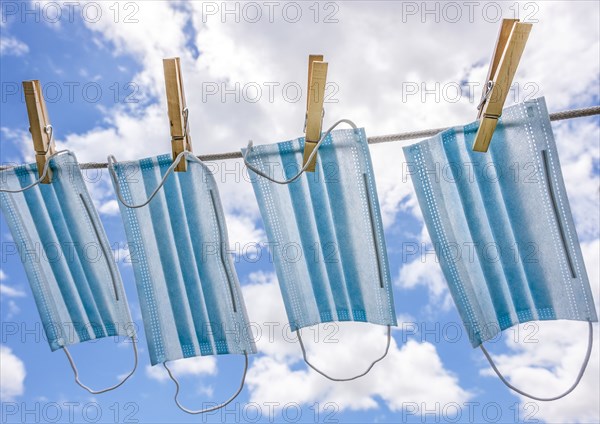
187 285
509 206
325 231
75 282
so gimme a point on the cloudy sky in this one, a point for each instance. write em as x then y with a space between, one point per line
393 67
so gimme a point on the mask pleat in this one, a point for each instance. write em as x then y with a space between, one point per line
86 277
190 307
329 247
171 274
144 251
303 214
201 294
349 222
54 238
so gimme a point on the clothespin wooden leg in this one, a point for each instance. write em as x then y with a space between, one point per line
317 78
39 126
507 54
177 110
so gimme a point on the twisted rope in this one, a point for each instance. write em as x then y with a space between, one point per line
411 135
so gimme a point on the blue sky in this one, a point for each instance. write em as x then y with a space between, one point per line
105 95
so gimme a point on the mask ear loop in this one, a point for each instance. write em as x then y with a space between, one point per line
111 164
97 392
39 180
308 161
116 293
387 348
577 380
213 408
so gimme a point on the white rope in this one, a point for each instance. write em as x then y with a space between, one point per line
411 135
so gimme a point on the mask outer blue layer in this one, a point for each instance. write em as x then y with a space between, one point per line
501 224
187 285
325 231
63 247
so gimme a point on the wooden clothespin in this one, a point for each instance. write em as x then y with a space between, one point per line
39 126
178 112
507 54
317 78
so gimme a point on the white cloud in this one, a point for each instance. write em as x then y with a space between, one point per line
199 365
8 291
3 275
548 61
12 374
394 187
265 309
549 366
379 102
11 46
122 255
13 310
577 143
413 371
243 233
206 391
424 270
110 207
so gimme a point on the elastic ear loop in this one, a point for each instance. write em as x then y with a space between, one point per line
387 348
308 161
579 376
111 163
97 392
213 408
39 180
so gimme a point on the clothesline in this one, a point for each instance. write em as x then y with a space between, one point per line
411 135
557 116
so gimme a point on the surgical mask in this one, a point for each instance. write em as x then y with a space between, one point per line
69 264
502 227
325 231
187 285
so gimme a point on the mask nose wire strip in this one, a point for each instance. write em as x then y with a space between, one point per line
102 246
97 392
223 250
579 376
387 348
308 161
39 180
213 408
